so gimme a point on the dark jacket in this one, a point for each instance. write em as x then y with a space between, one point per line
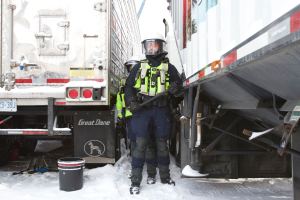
131 92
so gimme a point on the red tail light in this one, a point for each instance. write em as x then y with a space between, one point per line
87 93
73 93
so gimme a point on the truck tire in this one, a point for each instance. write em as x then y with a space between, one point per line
4 151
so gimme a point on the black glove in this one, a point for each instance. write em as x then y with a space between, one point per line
119 122
133 106
173 89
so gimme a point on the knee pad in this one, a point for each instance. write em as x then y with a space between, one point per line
141 143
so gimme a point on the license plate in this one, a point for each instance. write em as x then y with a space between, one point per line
8 105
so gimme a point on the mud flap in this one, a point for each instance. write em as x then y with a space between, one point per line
94 136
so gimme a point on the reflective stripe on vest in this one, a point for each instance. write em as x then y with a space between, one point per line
121 106
127 112
123 100
152 80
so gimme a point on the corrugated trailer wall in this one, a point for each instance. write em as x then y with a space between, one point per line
0 36
65 68
68 41
54 36
125 36
217 26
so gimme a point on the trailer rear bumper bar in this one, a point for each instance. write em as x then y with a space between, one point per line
37 132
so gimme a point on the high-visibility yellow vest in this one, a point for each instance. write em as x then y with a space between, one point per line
121 106
152 80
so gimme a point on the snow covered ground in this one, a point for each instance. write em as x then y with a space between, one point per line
111 182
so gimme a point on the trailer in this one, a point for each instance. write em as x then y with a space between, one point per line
241 100
60 66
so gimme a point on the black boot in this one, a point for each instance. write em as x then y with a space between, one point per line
134 189
151 180
168 181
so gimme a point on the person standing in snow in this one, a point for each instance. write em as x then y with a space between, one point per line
152 76
124 115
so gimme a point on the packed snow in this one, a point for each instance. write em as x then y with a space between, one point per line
111 182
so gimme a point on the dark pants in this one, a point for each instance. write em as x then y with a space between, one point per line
150 154
159 119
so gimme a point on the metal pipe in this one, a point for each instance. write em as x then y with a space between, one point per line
184 136
180 58
1 28
240 138
195 157
212 145
198 122
12 8
189 114
50 115
108 36
141 9
275 146
194 115
189 103
166 27
4 120
220 152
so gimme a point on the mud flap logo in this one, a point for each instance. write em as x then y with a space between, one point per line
94 148
97 122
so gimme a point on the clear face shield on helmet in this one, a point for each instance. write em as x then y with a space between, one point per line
122 83
129 65
153 47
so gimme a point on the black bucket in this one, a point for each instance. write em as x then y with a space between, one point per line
70 173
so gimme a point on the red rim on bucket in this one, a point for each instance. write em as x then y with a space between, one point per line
71 163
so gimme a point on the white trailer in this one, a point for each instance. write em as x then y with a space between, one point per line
61 62
241 60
